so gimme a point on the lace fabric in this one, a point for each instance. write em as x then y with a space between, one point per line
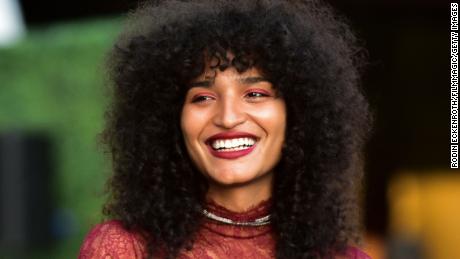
110 240
214 240
239 232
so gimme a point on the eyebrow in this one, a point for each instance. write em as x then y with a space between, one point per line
246 80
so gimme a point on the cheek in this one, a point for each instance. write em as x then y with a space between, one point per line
191 123
273 118
185 123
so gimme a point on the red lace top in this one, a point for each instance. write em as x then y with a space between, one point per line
214 241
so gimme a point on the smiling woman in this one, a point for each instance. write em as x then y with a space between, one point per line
234 127
236 131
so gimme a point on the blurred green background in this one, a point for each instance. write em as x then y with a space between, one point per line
53 82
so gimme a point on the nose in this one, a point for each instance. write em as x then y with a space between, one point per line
230 113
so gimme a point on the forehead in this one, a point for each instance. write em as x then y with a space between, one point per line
211 74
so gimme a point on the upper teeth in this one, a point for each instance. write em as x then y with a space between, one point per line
232 143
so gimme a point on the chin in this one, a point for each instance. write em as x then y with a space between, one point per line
232 178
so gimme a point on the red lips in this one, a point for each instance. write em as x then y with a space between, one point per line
230 135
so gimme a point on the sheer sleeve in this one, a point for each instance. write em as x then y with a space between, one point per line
355 253
110 240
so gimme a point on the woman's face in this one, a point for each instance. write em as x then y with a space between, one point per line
233 126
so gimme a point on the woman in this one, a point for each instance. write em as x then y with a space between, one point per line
236 131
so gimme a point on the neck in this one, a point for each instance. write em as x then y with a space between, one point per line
240 197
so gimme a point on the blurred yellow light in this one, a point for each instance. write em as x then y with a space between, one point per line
426 207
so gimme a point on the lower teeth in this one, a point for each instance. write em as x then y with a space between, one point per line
232 149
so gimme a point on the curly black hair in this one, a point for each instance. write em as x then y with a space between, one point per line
313 60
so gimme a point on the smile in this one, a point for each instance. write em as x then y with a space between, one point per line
231 153
231 145
236 144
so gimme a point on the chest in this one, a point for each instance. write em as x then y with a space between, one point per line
212 245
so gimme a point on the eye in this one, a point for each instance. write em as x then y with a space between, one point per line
256 94
201 98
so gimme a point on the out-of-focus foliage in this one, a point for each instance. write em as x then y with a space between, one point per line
53 82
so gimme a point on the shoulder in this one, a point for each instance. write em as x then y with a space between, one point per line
111 240
355 253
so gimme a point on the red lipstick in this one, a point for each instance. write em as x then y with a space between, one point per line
230 135
230 154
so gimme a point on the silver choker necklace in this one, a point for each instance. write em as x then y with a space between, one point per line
257 222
